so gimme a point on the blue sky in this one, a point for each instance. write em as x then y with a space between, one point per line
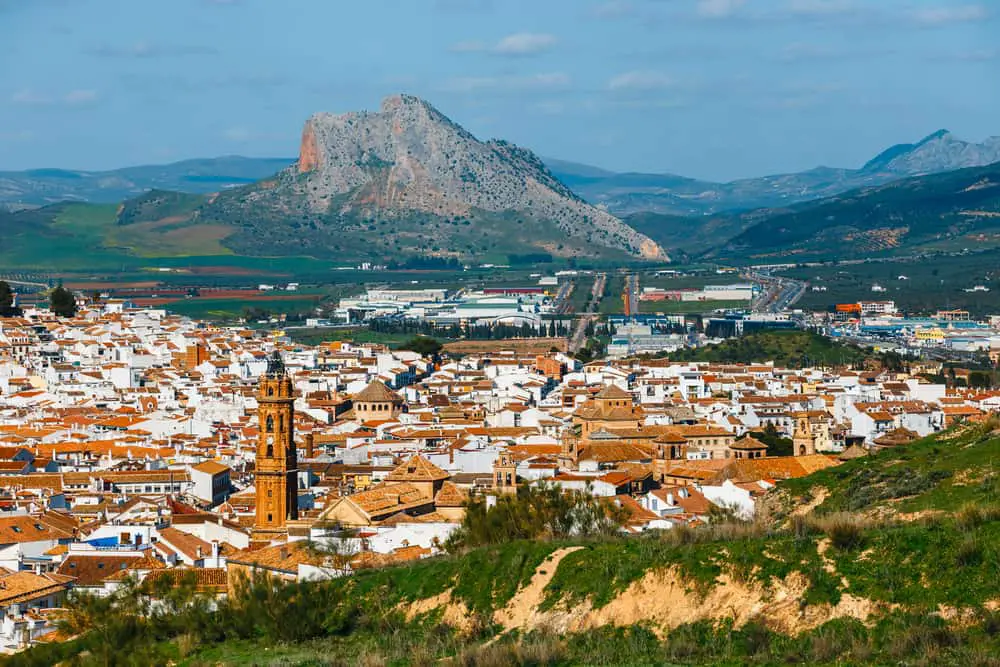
707 88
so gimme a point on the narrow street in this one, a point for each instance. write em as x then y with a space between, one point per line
579 337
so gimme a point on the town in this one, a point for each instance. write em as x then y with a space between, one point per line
136 444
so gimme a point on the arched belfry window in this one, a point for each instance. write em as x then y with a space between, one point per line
269 424
270 391
281 423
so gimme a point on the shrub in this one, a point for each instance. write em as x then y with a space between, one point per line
969 553
846 532
536 512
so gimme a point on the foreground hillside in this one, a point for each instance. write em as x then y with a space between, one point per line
804 584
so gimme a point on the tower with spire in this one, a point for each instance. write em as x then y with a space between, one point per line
276 478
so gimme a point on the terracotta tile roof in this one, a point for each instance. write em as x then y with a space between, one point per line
208 580
281 557
190 545
613 391
25 586
211 467
450 495
748 443
93 569
417 469
389 497
21 529
607 452
377 392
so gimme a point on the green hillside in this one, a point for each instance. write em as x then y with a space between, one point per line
943 474
794 349
949 211
687 235
823 587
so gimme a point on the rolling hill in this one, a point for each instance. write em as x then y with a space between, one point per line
951 211
40 187
628 193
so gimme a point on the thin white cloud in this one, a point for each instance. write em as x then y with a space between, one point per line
145 49
470 46
550 108
638 80
718 9
77 97
546 81
936 16
238 134
30 97
517 44
81 96
820 7
525 43
613 9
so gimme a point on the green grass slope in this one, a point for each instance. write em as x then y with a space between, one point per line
940 474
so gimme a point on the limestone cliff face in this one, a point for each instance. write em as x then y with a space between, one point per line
309 151
408 156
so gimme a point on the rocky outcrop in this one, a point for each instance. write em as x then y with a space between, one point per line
308 151
409 157
940 151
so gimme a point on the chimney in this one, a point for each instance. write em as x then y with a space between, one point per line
215 549
283 552
670 499
198 552
308 438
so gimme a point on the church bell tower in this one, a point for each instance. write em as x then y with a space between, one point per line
276 479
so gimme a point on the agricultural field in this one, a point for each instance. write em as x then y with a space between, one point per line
318 336
923 285
694 281
613 302
580 297
231 309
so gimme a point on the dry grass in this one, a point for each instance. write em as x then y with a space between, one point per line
537 649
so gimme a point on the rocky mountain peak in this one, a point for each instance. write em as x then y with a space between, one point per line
937 152
409 158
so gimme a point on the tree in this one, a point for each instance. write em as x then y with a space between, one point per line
423 345
537 513
62 302
777 444
7 308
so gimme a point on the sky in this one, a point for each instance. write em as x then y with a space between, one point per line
715 89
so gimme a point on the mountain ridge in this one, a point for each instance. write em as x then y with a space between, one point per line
620 193
627 193
407 180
